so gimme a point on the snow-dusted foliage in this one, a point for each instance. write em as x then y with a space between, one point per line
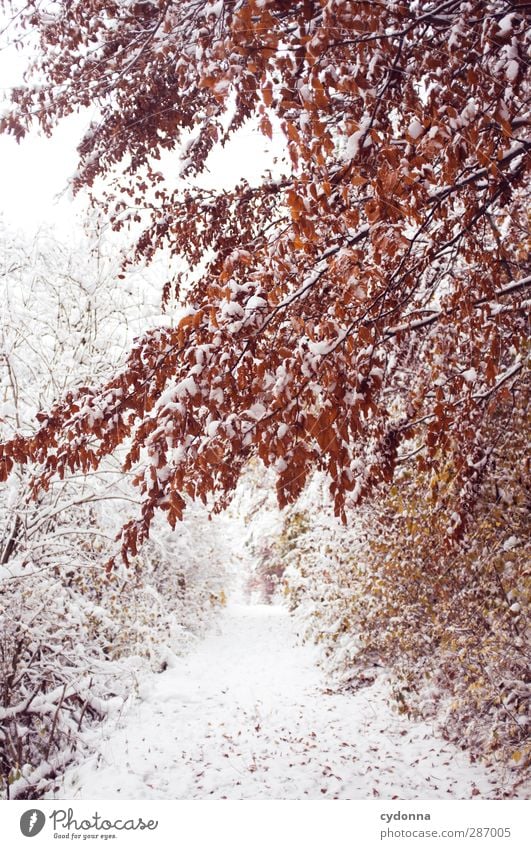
449 626
371 291
74 636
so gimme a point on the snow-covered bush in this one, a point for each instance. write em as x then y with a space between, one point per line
55 675
448 622
75 636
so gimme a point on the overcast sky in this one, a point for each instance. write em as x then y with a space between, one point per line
34 175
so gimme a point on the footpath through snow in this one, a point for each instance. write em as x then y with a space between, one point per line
247 715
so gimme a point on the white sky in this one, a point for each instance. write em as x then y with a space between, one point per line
35 172
34 175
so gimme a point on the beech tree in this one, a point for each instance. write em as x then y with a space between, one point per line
366 306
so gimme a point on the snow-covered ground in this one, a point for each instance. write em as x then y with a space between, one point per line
248 715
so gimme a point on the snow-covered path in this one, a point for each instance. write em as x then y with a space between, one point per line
247 716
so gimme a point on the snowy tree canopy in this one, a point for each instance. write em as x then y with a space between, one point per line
367 305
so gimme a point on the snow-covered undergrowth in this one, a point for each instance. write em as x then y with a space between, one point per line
74 638
76 641
448 624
